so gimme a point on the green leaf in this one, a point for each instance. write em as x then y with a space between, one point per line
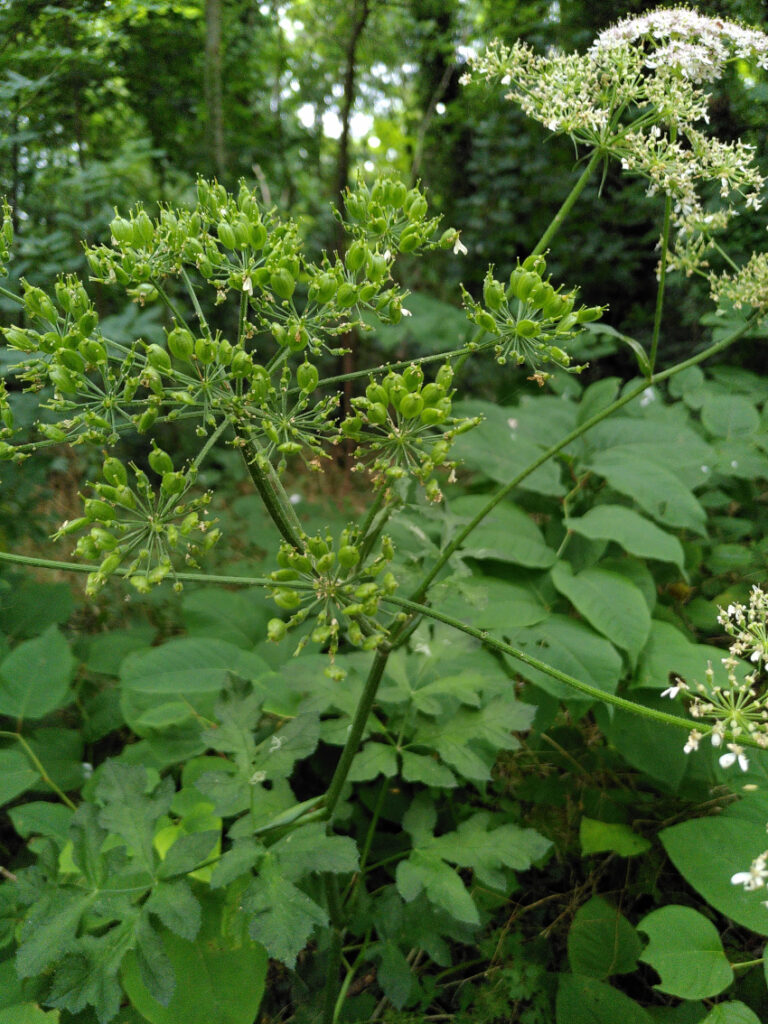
373 760
507 534
188 851
685 949
652 747
31 608
601 941
478 845
654 487
500 451
605 837
573 648
729 415
237 617
394 974
310 849
583 1000
636 534
127 811
428 771
280 916
244 855
35 676
218 981
61 753
426 871
730 1013
709 851
488 603
610 603
29 1013
669 654
174 905
50 929
41 818
16 774
107 651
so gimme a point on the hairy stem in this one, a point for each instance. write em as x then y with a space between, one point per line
39 767
660 290
570 200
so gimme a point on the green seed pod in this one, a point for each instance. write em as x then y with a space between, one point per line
409 240
411 406
173 483
326 562
286 599
526 328
307 377
377 267
282 283
301 563
317 546
493 292
587 314
395 194
535 263
346 295
276 630
114 472
146 419
567 323
349 555
122 230
289 447
226 235
356 256
297 337
87 322
18 338
143 230
160 461
541 294
258 235
225 352
486 321
322 288
431 416
93 352
351 426
63 380
72 360
377 413
432 393
181 344
377 226
158 358
415 205
241 363
375 392
286 575
413 377
98 510
321 634
205 350
524 285
103 539
110 563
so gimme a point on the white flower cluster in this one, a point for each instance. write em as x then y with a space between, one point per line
747 286
680 37
637 95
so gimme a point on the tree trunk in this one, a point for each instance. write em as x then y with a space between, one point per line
217 157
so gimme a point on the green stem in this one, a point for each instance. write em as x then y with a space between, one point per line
39 766
335 950
568 204
629 396
270 489
196 303
210 442
660 290
746 963
362 712
590 691
11 295
179 317
436 357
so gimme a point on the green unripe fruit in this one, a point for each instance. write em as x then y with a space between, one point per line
409 240
258 235
356 256
587 314
225 352
297 337
432 393
146 419
346 295
540 295
205 350
143 231
93 352
160 461
62 380
226 235
367 292
276 630
114 472
377 267
567 323
349 555
98 510
282 283
18 338
323 288
181 344
377 226
493 293
122 230
317 546
415 205
110 563
486 321
376 393
307 377
87 322
241 363
444 377
351 427
395 193
413 377
158 358
411 406
103 539
535 263
326 562
301 563
286 575
72 360
431 416
173 483
526 328
377 413
287 599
